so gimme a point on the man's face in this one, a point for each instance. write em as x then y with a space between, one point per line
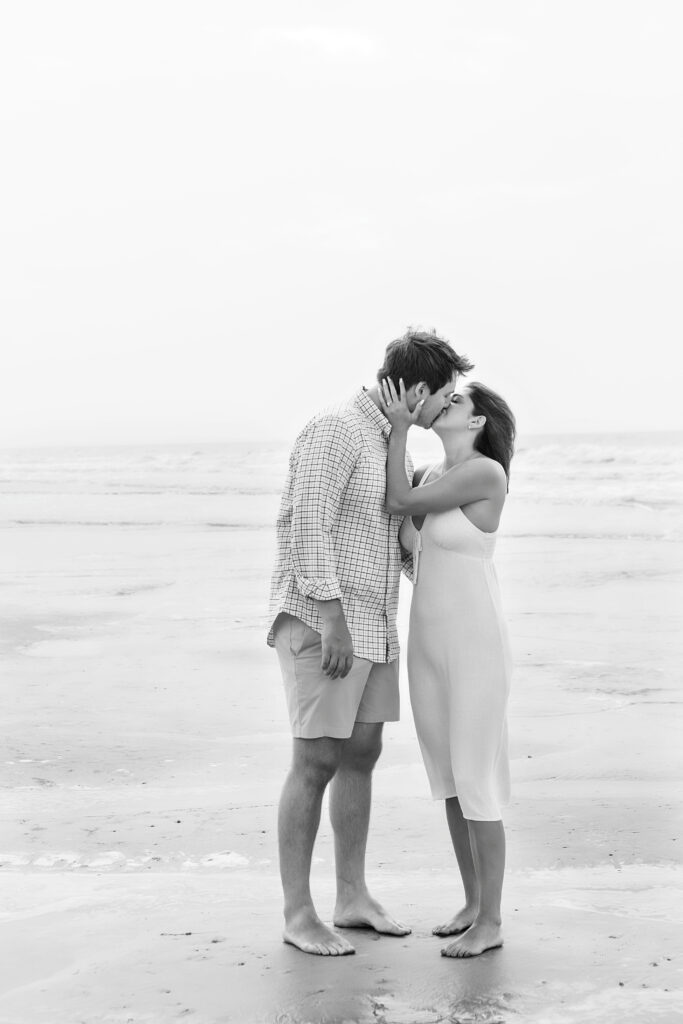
434 404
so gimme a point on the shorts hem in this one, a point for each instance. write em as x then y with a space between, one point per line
316 734
378 721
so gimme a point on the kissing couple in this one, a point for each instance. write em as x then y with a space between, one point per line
353 515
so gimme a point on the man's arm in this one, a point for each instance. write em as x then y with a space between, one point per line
324 466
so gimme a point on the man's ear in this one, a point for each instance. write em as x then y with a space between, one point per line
416 393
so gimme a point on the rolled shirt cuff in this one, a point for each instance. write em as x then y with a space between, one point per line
408 568
319 588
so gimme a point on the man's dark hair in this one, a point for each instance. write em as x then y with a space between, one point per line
422 356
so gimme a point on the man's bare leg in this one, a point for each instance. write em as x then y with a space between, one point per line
488 850
313 764
460 837
350 798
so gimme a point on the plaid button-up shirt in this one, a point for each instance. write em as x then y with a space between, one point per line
334 537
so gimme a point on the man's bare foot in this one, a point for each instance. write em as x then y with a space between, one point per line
475 940
364 912
458 924
307 932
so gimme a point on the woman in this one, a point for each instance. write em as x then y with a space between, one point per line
459 663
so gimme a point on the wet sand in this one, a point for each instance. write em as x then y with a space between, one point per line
145 746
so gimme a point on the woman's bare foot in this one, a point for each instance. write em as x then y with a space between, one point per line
477 939
306 931
365 912
458 924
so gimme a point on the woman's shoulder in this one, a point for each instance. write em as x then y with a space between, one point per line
484 464
489 474
487 469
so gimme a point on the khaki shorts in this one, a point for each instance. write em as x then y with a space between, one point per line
320 706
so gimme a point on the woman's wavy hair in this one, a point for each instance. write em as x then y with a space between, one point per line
497 437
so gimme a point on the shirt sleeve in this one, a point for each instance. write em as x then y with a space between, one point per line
325 463
408 566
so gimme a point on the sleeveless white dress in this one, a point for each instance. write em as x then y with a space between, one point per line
459 663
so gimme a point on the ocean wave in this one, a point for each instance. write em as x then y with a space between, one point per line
648 502
125 492
656 492
670 536
227 483
170 523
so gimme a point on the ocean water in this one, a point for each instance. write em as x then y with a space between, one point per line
597 485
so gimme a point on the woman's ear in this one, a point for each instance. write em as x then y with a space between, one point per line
476 423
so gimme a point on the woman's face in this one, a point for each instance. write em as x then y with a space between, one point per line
436 404
458 414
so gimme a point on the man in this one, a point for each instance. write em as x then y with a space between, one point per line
333 613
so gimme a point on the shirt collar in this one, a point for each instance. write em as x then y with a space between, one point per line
369 409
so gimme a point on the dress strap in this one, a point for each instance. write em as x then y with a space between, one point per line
428 472
417 534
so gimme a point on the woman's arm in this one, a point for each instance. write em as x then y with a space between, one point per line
401 418
473 481
398 487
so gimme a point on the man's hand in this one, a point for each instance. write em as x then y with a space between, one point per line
336 640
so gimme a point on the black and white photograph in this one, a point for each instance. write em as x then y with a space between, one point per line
341 512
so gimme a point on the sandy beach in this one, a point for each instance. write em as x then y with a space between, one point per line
146 741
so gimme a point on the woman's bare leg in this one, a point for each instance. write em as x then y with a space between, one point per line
460 837
487 839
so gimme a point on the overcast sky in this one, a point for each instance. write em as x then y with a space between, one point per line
215 215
